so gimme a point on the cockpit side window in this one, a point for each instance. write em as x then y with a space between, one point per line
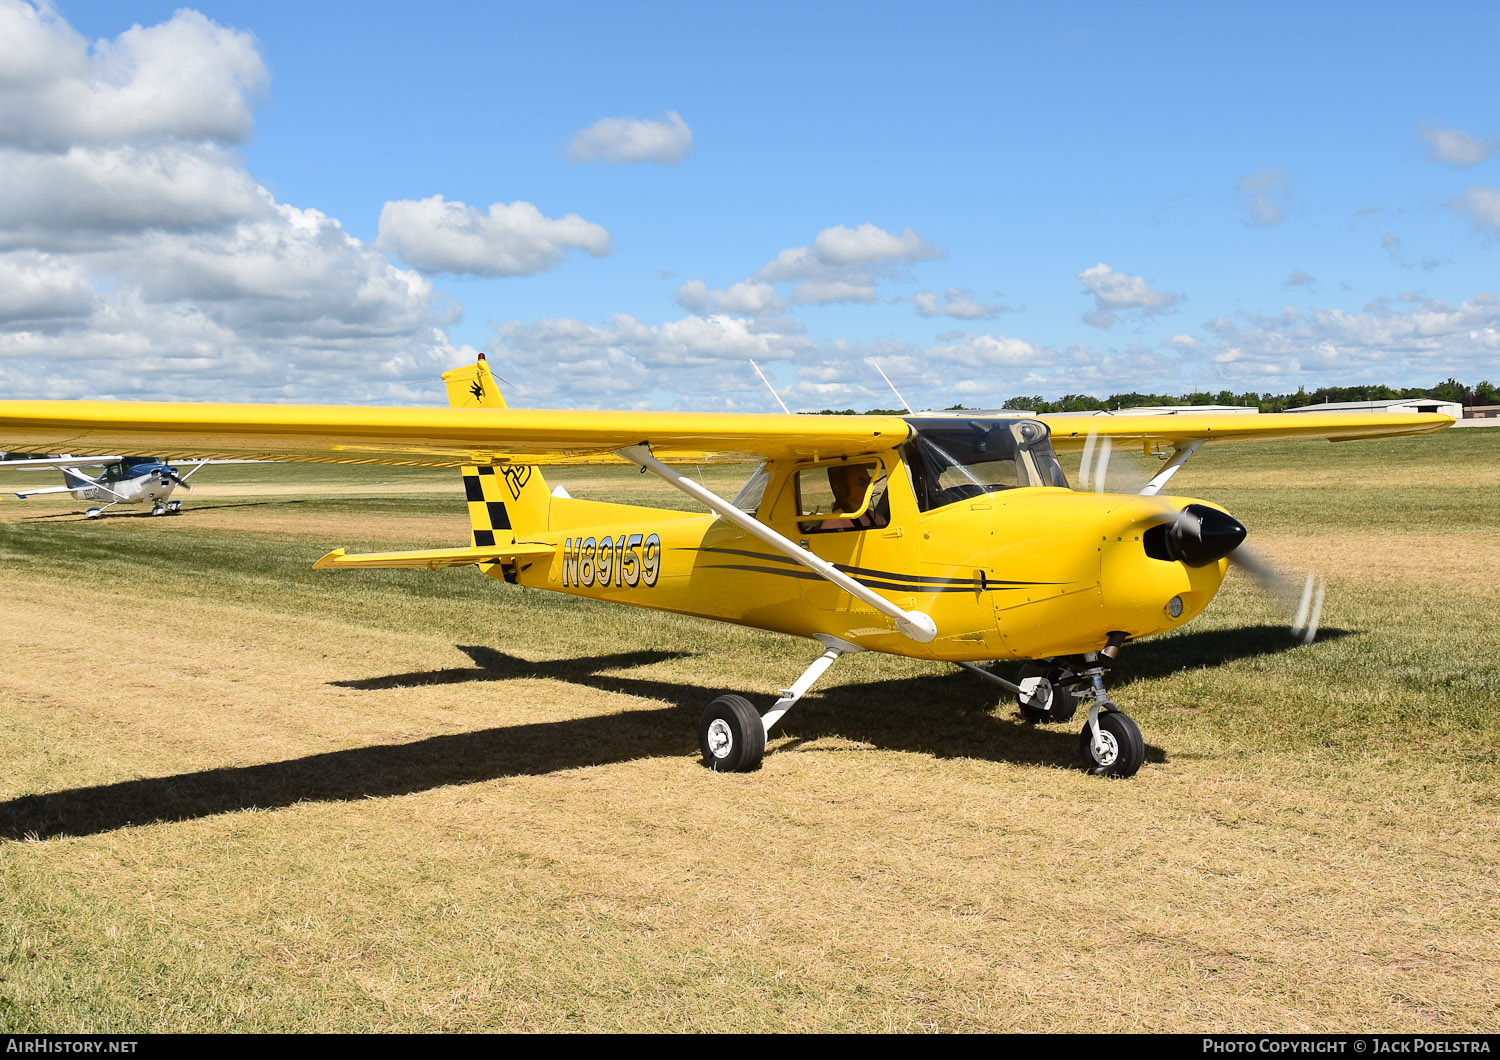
951 460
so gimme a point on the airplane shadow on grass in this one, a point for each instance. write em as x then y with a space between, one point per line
951 716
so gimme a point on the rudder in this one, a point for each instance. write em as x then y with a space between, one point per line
506 501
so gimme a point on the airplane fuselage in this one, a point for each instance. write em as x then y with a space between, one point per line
1022 573
152 487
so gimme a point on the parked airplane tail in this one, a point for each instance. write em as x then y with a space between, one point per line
508 501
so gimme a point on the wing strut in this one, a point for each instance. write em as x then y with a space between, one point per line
1182 452
914 625
196 468
96 483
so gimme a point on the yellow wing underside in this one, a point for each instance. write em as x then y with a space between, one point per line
460 437
1072 432
431 437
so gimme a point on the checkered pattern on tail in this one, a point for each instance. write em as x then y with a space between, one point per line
487 512
506 500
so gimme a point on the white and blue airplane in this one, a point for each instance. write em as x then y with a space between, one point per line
121 480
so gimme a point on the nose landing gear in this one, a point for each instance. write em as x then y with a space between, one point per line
1110 744
1117 749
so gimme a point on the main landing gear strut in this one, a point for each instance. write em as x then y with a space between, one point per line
732 735
1110 744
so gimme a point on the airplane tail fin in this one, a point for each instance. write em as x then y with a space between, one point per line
506 501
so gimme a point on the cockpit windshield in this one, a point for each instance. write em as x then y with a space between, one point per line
953 459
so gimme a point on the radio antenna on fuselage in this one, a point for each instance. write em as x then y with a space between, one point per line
892 386
771 388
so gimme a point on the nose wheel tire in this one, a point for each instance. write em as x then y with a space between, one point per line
1047 697
1123 750
732 736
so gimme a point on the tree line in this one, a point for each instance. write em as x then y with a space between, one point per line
1482 393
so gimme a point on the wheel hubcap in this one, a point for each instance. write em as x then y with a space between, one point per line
1105 749
720 738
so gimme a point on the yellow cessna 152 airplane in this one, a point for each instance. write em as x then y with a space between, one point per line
953 538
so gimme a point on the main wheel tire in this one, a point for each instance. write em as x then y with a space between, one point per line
732 736
1125 749
1052 700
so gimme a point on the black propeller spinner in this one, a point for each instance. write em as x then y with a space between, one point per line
1200 535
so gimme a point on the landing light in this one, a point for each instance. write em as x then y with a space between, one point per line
1174 607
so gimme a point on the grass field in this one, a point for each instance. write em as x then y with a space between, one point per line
242 794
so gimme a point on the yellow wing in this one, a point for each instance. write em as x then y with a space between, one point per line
431 437
465 437
1072 432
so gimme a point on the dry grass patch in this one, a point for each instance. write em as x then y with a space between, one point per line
243 794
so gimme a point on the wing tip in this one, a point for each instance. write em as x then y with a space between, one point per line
330 561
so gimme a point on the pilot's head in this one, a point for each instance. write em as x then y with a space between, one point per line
849 483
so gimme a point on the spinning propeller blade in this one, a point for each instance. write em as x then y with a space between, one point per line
1306 601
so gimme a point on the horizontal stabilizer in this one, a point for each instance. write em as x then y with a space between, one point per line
23 494
434 557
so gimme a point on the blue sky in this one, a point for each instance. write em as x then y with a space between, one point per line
241 200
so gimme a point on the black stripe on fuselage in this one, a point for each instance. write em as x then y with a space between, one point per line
867 582
914 582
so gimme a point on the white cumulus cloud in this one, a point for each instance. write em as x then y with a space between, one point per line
823 292
1480 204
1405 334
843 264
869 244
1458 148
623 140
747 297
514 239
1264 196
138 258
186 78
957 303
40 287
92 196
1114 292
838 254
567 362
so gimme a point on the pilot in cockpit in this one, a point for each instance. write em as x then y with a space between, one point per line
850 483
